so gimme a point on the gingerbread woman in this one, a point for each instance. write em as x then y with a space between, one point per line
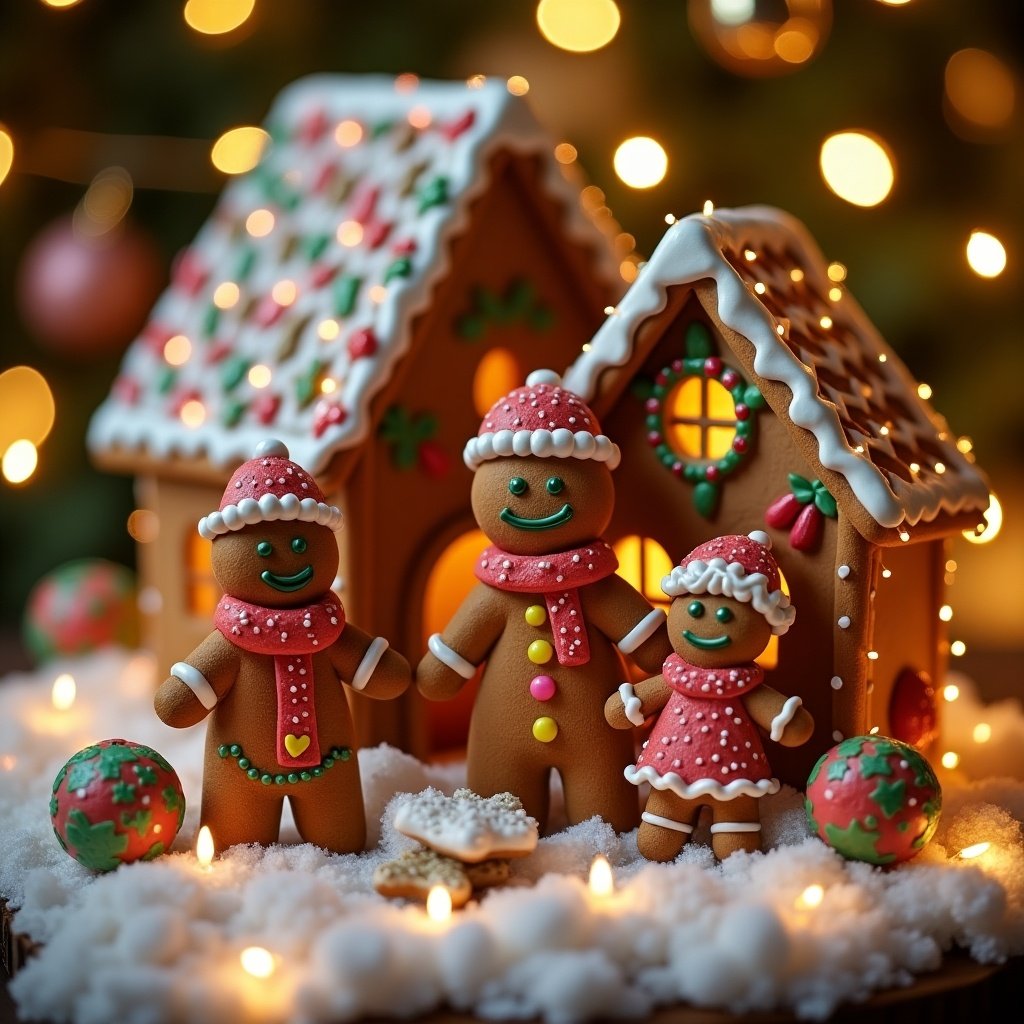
705 749
549 616
269 675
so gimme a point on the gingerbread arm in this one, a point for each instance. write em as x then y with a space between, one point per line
625 617
630 705
783 718
369 665
196 684
454 655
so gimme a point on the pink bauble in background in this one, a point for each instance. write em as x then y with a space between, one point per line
85 295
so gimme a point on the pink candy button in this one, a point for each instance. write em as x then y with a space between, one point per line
542 687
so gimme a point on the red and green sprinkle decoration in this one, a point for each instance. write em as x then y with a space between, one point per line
412 442
803 511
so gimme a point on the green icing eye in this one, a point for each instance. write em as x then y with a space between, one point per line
264 549
723 615
517 485
298 545
555 485
696 609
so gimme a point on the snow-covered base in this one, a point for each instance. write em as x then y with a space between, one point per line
160 941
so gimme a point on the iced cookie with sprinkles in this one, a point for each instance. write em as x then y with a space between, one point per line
412 875
706 748
549 619
270 674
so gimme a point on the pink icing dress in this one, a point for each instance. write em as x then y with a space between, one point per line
704 744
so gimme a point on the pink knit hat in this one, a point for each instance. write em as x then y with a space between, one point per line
269 488
739 567
542 419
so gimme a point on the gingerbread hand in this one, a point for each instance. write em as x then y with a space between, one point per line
785 720
437 679
369 665
630 705
195 685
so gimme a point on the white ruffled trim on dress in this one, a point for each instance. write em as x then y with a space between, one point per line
702 787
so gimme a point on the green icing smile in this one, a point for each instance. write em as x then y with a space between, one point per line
287 584
710 644
563 515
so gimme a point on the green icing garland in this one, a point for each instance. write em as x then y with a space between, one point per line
266 778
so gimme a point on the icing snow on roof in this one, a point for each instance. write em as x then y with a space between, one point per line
849 389
296 300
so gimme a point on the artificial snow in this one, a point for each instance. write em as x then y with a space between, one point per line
160 941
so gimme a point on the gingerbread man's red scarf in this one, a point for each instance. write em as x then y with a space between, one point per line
557 578
291 636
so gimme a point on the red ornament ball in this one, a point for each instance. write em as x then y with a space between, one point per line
116 802
873 799
84 295
81 606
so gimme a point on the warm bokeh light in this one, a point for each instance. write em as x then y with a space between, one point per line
260 375
980 89
284 292
958 648
259 223
946 613
348 133
257 961
27 407
975 850
350 233
565 153
193 413
982 732
328 330
6 153
924 391
61 5
143 526
64 691
950 759
993 523
439 903
641 162
986 255
858 167
578 25
226 295
811 897
177 350
950 693
19 461
214 17
517 85
239 149
601 881
204 847
419 117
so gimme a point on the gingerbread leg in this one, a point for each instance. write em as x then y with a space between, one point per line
666 825
239 810
736 825
609 796
531 783
328 811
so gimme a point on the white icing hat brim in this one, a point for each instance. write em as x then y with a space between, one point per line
269 509
730 579
545 444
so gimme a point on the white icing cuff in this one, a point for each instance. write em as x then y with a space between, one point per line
455 661
369 663
642 631
784 717
657 819
735 826
631 704
196 682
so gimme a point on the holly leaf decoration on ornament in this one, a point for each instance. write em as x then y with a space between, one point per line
111 759
96 846
139 821
80 775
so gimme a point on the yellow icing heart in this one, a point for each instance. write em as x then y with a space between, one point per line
295 745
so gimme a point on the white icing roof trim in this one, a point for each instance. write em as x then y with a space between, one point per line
690 251
502 123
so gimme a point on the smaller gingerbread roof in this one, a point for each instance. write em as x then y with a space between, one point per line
843 384
293 306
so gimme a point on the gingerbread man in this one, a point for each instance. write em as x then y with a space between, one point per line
269 675
549 616
705 749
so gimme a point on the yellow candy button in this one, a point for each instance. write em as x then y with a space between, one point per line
535 615
545 729
539 652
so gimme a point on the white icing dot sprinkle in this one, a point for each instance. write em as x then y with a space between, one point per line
844 622
843 571
837 735
837 683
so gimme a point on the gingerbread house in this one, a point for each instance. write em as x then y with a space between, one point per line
747 390
403 254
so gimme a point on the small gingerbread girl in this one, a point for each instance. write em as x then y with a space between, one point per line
705 749
549 616
269 675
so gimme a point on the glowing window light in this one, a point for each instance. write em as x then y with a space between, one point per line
974 850
259 223
565 153
950 759
19 461
601 881
27 408
328 330
257 961
63 692
950 693
578 25
640 162
982 732
204 847
958 648
239 149
517 85
193 413
6 153
177 350
350 233
348 133
215 17
439 903
980 88
858 167
811 897
986 255
989 529
260 375
143 526
285 292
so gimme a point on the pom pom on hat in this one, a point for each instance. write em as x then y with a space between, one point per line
543 419
269 488
739 567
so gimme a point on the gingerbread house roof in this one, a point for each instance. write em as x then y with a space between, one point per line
294 304
844 385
